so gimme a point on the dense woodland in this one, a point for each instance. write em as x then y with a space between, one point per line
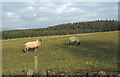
64 29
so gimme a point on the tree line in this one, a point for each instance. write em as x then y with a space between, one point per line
64 29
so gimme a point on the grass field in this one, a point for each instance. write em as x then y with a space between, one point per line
97 51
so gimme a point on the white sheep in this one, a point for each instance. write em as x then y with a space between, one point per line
73 40
34 44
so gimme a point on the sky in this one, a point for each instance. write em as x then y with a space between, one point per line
28 15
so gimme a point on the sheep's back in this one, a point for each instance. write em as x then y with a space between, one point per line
31 44
73 39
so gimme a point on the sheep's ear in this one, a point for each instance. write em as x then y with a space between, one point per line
40 40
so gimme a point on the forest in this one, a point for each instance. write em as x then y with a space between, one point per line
64 29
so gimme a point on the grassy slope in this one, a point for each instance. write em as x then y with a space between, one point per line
98 51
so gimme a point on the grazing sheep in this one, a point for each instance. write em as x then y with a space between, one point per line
73 40
34 44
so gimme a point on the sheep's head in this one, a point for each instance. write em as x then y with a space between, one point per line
40 40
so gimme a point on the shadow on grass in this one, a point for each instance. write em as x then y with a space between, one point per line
72 44
30 49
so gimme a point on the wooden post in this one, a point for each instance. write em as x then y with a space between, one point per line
36 64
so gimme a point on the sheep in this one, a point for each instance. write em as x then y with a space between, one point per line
73 40
34 44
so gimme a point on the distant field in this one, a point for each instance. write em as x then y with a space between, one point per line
97 51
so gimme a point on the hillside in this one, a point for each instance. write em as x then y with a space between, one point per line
97 51
64 29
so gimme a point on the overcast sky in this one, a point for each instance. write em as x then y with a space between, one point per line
25 15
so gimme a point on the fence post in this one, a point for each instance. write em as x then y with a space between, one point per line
36 64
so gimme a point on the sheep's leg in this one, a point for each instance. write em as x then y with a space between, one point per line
69 42
35 49
25 49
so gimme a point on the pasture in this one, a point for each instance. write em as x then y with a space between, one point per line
97 51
